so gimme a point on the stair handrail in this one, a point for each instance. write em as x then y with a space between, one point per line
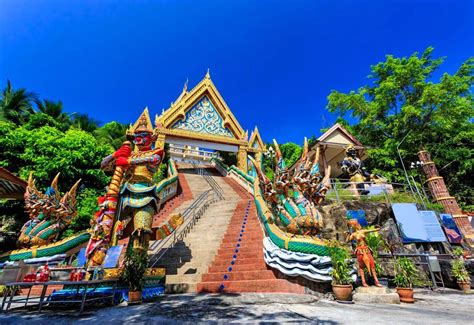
212 183
190 215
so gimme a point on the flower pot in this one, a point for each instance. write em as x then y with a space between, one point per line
134 297
342 292
406 295
465 286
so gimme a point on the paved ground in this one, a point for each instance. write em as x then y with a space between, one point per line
447 307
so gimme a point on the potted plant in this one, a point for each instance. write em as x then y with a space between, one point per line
406 275
341 271
459 271
136 261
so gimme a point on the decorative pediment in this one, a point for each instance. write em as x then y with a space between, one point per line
255 141
202 111
203 118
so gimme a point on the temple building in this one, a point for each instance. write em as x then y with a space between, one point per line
199 122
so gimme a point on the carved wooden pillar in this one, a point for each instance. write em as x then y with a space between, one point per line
242 158
441 195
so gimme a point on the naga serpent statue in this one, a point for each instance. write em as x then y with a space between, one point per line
293 199
132 194
49 213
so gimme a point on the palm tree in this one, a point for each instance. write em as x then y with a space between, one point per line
85 122
55 110
16 105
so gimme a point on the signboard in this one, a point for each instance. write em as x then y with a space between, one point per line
450 228
113 255
359 215
432 226
417 226
81 257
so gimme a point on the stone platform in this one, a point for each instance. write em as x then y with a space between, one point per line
376 295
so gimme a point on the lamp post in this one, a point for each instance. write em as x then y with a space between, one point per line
270 154
403 164
417 165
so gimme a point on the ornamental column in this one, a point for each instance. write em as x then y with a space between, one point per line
259 159
160 141
440 194
242 158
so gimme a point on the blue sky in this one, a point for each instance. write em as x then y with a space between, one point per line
274 62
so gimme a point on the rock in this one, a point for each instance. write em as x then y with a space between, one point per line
375 295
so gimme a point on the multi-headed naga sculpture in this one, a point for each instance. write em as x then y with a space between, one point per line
293 198
49 213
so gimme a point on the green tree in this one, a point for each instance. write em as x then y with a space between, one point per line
403 100
47 151
55 110
113 134
16 105
85 122
86 207
291 152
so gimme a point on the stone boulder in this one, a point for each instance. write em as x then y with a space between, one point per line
375 295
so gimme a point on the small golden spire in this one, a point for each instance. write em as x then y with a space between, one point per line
208 74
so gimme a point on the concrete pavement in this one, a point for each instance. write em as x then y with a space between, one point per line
445 307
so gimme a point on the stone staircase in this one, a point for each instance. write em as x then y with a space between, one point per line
239 265
190 258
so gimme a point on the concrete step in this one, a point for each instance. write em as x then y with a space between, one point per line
275 285
177 288
259 265
238 276
221 261
183 278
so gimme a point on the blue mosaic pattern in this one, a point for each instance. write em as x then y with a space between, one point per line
203 118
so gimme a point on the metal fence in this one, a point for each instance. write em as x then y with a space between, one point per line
342 190
191 215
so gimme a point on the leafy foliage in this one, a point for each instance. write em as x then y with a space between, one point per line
112 133
16 105
459 271
406 273
341 266
86 207
47 151
291 152
376 243
403 101
135 263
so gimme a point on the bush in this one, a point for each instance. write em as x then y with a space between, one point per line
341 264
135 264
406 274
459 271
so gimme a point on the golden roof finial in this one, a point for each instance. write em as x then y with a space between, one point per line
143 124
208 74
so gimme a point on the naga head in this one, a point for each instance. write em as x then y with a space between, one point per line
50 203
141 133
